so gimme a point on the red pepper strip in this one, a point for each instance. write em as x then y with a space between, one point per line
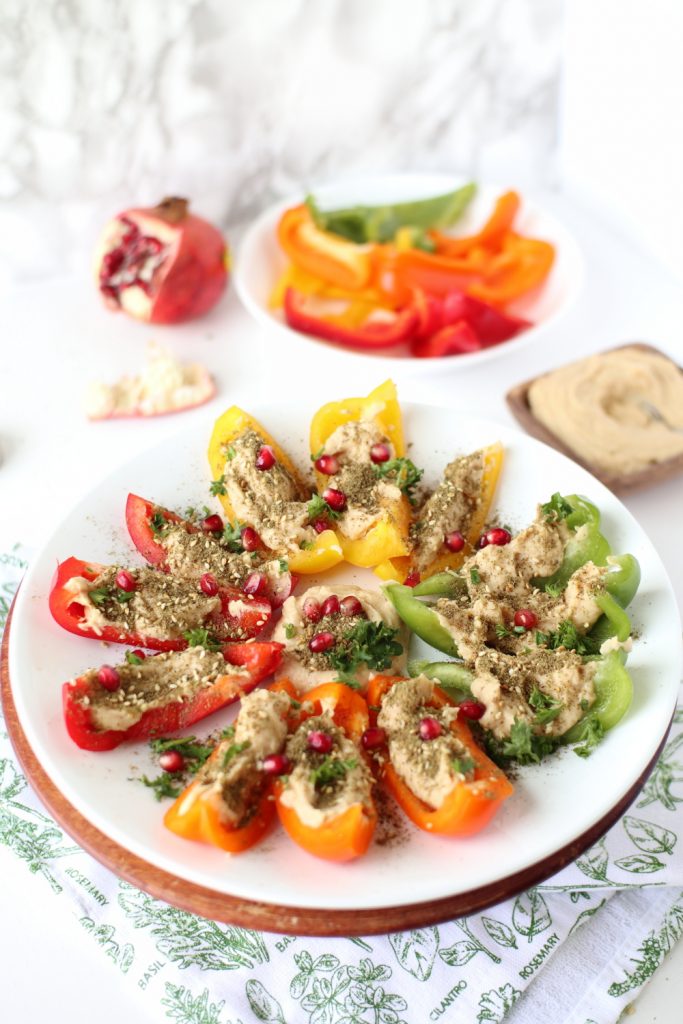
373 334
349 834
491 234
470 805
261 660
454 339
139 516
489 324
250 619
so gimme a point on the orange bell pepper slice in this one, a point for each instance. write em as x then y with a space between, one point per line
326 551
349 834
389 537
470 805
491 234
196 815
400 568
321 253
523 265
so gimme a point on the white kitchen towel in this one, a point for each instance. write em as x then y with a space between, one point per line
596 932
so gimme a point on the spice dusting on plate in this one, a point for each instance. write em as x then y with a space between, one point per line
621 411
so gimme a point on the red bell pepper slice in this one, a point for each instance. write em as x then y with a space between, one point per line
140 515
261 660
454 339
490 325
69 613
392 329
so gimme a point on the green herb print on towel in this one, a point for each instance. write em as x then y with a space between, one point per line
184 1008
653 949
667 773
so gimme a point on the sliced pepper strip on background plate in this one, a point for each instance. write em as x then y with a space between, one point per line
260 659
348 834
310 284
245 618
470 805
523 265
322 253
490 235
326 551
383 328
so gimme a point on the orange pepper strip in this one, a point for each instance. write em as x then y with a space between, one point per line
327 256
470 805
195 815
491 234
349 834
525 264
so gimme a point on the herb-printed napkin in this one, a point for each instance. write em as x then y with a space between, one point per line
575 950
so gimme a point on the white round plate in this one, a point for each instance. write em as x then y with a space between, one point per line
260 261
553 805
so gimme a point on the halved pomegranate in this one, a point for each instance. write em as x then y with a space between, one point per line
162 264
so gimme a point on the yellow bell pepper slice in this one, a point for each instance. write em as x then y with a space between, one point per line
389 537
326 550
399 568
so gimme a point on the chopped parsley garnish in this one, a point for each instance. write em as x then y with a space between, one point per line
330 771
171 784
402 472
546 707
158 524
123 596
166 785
319 509
201 637
189 747
566 635
99 595
474 576
316 456
554 589
593 733
463 765
522 745
231 537
556 509
230 452
283 565
233 750
369 643
306 545
348 679
191 512
218 486
502 631
290 630
133 659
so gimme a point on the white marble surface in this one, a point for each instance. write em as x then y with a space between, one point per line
112 103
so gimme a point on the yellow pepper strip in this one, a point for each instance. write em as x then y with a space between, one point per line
399 568
310 284
326 550
389 537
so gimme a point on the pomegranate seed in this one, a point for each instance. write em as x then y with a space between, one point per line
497 536
172 761
454 541
151 245
412 579
126 581
312 610
108 677
335 499
265 458
350 606
327 464
322 642
212 524
373 738
276 764
250 539
256 584
111 261
208 584
319 741
430 729
140 654
525 617
472 709
380 453
331 605
320 525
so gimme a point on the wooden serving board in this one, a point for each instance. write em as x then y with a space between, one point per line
518 401
268 917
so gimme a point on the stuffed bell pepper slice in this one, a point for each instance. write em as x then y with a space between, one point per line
146 608
449 523
365 483
431 765
148 696
341 632
325 802
206 551
261 489
229 803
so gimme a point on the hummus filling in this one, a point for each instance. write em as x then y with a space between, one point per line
450 507
190 555
322 786
598 408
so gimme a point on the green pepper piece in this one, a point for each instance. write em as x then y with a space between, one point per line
586 544
380 223
451 676
613 696
623 582
421 619
444 584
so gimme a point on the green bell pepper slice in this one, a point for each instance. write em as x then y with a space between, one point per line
451 676
442 584
380 223
421 619
613 696
623 582
586 543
